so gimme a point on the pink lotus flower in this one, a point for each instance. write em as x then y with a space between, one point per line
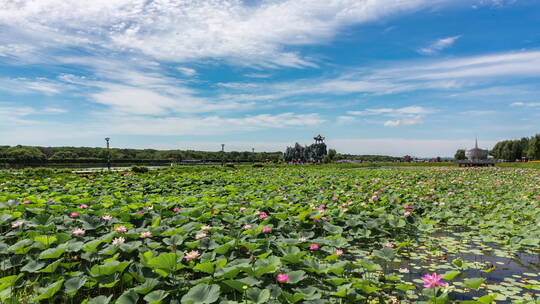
17 224
432 280
335 198
25 202
339 252
374 197
282 278
175 209
389 245
120 229
247 226
191 255
145 234
106 218
406 213
262 215
200 235
83 206
148 207
324 218
315 220
313 247
118 240
243 208
79 231
139 212
537 196
377 192
265 229
73 214
206 228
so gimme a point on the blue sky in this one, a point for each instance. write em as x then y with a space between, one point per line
394 77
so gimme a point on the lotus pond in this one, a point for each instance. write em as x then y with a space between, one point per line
272 235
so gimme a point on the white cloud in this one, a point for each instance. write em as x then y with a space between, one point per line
146 101
209 125
526 104
407 116
520 64
187 71
52 110
410 110
16 116
404 122
257 75
180 31
439 45
15 50
26 85
418 75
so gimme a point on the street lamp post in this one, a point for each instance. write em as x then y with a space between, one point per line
107 139
222 155
253 155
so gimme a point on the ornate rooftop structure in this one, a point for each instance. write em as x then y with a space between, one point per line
319 138
476 153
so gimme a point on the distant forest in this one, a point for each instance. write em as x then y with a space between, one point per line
36 155
31 154
517 149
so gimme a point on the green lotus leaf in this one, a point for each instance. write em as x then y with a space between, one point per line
100 300
72 285
156 296
164 261
257 295
147 286
51 253
49 291
473 283
128 297
108 268
202 293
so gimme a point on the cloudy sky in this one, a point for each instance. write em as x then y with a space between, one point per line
395 77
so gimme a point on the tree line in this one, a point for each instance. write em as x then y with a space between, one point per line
512 150
517 149
33 154
36 155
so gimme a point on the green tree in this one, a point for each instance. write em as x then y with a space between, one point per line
332 154
533 151
460 155
23 153
61 155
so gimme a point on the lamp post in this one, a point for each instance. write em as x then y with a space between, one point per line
107 139
253 155
222 154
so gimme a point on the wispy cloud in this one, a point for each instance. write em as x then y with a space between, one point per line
404 122
181 31
411 110
407 116
456 74
37 85
439 45
526 104
187 71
